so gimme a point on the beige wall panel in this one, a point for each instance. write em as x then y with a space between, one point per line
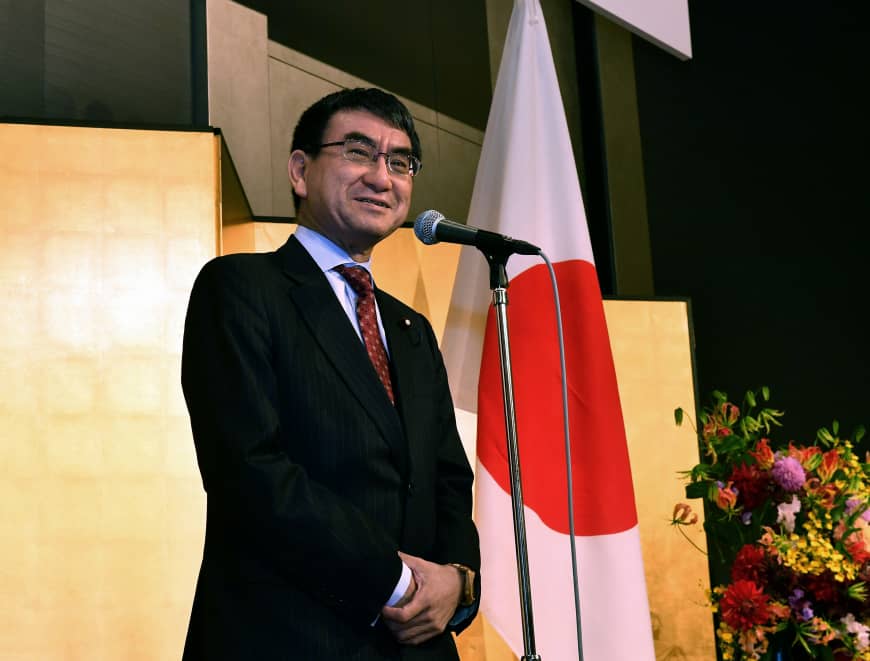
292 90
238 93
428 187
267 235
454 179
101 505
238 237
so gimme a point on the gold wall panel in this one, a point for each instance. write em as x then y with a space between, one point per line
651 348
101 507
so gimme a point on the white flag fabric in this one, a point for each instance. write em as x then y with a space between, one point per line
527 187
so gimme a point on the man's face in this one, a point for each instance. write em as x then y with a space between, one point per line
355 205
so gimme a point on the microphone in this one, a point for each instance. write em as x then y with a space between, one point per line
432 227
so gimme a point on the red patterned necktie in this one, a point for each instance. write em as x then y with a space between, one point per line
360 281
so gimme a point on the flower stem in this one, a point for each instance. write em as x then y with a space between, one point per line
683 533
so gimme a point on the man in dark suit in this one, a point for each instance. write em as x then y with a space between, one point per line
339 496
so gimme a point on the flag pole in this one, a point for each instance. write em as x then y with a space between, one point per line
498 281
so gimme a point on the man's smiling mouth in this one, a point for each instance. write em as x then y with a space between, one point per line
373 201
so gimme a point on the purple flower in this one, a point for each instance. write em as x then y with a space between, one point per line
746 518
854 503
801 607
788 473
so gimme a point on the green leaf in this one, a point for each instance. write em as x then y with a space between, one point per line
678 416
765 392
719 396
696 490
731 443
750 398
814 462
857 591
836 427
859 433
825 653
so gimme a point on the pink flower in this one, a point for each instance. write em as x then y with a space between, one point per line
683 515
859 630
785 513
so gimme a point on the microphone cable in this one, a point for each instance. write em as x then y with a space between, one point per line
568 465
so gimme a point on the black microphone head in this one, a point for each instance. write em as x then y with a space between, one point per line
424 226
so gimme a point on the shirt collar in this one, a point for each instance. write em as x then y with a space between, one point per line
325 253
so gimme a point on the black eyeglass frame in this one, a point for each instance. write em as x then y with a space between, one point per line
414 163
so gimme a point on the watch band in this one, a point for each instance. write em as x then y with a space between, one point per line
466 598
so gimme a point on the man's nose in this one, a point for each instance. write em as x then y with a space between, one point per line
378 174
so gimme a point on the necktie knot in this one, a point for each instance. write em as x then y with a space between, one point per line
358 279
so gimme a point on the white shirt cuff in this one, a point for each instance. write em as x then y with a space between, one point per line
401 586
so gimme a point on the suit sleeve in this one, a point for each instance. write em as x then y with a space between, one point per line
457 539
257 497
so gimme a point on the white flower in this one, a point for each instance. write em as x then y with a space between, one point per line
786 511
859 630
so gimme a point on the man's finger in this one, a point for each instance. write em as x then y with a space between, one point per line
416 634
406 613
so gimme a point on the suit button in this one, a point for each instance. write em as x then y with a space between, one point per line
410 488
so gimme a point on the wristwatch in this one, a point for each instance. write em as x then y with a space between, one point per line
466 598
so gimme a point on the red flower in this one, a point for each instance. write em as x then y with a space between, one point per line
803 454
726 496
729 412
763 454
830 464
744 605
856 548
752 485
823 587
750 564
825 494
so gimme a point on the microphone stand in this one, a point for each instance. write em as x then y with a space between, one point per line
497 255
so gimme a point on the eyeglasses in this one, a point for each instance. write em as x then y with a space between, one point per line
360 151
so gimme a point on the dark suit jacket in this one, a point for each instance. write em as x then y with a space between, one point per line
313 479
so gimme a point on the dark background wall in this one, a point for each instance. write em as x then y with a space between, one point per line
756 163
432 51
98 60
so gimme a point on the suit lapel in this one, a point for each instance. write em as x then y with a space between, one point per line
321 312
404 337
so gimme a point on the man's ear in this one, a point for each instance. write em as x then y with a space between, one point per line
296 169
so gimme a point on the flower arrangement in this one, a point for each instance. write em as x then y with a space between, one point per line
788 530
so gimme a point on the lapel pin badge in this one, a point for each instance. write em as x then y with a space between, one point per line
406 325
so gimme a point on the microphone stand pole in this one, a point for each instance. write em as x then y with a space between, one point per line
498 283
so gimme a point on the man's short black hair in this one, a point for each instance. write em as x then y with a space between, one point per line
312 124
